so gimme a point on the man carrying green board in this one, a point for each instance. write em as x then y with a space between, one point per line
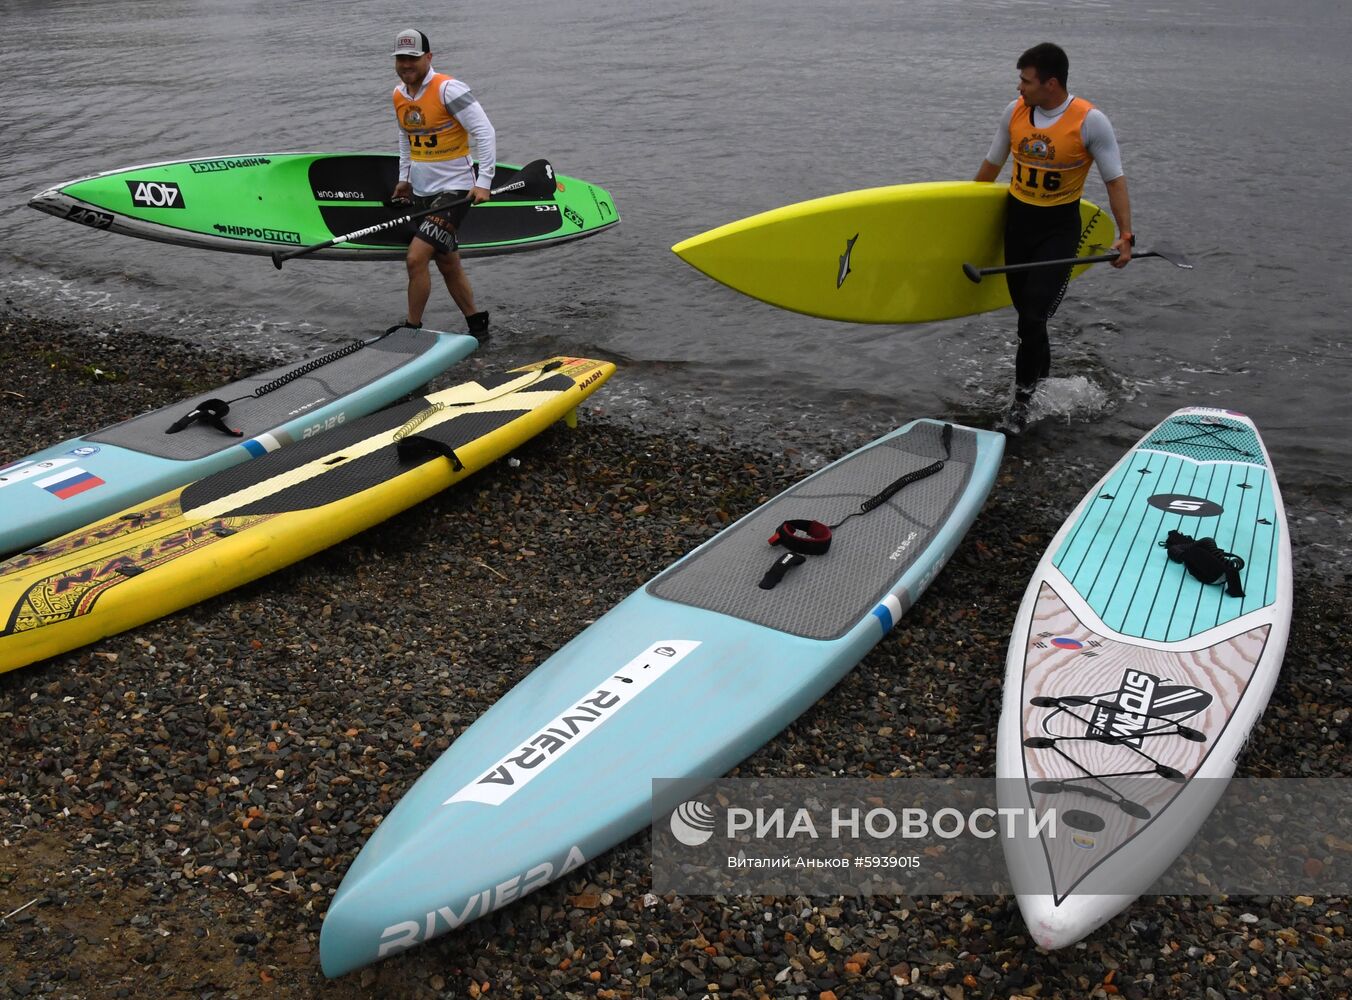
439 119
1054 137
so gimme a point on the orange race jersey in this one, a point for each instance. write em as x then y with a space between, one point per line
433 132
1050 159
438 124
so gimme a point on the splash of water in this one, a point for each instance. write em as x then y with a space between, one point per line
1071 399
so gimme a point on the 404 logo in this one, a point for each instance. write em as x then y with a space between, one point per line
155 194
89 217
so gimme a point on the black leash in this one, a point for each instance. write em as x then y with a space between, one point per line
212 412
1206 560
804 537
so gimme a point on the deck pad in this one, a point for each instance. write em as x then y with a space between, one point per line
826 597
252 415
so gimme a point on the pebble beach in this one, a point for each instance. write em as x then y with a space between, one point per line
179 803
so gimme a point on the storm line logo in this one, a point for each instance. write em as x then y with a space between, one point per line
1141 704
844 271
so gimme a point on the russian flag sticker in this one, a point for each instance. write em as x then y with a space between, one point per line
70 482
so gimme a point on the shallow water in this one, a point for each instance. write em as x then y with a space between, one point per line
694 114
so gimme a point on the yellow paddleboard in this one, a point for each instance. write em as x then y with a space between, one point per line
880 255
222 531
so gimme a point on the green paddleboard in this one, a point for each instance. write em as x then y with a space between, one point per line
260 204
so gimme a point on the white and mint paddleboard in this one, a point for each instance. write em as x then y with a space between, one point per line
685 677
84 479
1131 686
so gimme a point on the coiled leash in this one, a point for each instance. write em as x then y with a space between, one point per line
803 537
212 412
1206 561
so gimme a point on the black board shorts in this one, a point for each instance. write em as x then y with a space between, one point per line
439 229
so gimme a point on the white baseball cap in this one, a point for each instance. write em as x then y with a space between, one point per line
411 42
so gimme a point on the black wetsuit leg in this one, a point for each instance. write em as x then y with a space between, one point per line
1035 232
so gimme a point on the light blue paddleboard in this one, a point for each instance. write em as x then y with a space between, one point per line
81 480
1131 685
685 677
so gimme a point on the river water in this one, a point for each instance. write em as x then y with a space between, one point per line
1233 117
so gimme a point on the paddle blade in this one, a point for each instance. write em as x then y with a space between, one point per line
1174 257
533 182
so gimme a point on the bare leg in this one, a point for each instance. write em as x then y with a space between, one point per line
457 282
419 282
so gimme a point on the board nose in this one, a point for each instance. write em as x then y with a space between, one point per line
49 201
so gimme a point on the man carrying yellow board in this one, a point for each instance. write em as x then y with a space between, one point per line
1054 137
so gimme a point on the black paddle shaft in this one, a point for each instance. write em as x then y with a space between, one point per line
975 274
533 181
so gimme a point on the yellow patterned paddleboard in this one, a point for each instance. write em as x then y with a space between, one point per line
238 525
880 255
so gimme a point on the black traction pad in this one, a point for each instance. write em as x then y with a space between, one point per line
362 179
351 478
345 479
298 453
827 595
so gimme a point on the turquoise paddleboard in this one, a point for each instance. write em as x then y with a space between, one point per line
84 479
1132 683
685 677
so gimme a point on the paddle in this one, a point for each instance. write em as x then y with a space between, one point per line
1164 253
533 181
